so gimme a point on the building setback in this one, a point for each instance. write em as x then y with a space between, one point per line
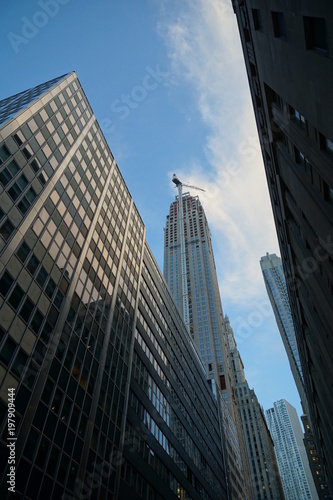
205 321
288 57
266 481
111 398
287 435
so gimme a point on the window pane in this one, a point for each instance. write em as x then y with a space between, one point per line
34 165
36 322
7 351
315 33
19 363
51 286
23 252
32 264
6 229
22 182
4 154
5 177
31 195
23 205
16 297
14 192
13 168
5 283
41 277
26 309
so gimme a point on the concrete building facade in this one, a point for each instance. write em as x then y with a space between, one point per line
265 476
288 56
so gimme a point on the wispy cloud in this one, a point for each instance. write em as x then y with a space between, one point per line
204 49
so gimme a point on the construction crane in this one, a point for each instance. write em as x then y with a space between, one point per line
179 185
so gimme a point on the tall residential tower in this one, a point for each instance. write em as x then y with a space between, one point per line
276 287
189 270
275 282
287 435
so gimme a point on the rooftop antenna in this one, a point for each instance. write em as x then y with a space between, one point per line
179 185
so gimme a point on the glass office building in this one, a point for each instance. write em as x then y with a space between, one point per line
111 398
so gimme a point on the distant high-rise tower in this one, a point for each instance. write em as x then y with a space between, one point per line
288 48
285 428
264 470
190 272
276 287
111 398
275 282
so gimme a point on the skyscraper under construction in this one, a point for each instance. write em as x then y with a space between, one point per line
189 269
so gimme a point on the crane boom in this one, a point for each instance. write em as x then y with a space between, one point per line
194 187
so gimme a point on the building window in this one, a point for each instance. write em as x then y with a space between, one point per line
7 351
8 173
257 21
279 26
302 160
300 118
315 33
27 200
328 192
6 229
326 144
4 154
18 187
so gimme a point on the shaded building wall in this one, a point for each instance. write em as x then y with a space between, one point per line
314 460
288 58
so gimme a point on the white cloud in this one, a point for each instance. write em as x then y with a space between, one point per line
204 50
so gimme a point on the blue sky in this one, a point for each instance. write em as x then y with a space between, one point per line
167 83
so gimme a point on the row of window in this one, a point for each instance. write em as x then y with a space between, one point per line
20 186
137 443
314 29
324 143
146 382
152 426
